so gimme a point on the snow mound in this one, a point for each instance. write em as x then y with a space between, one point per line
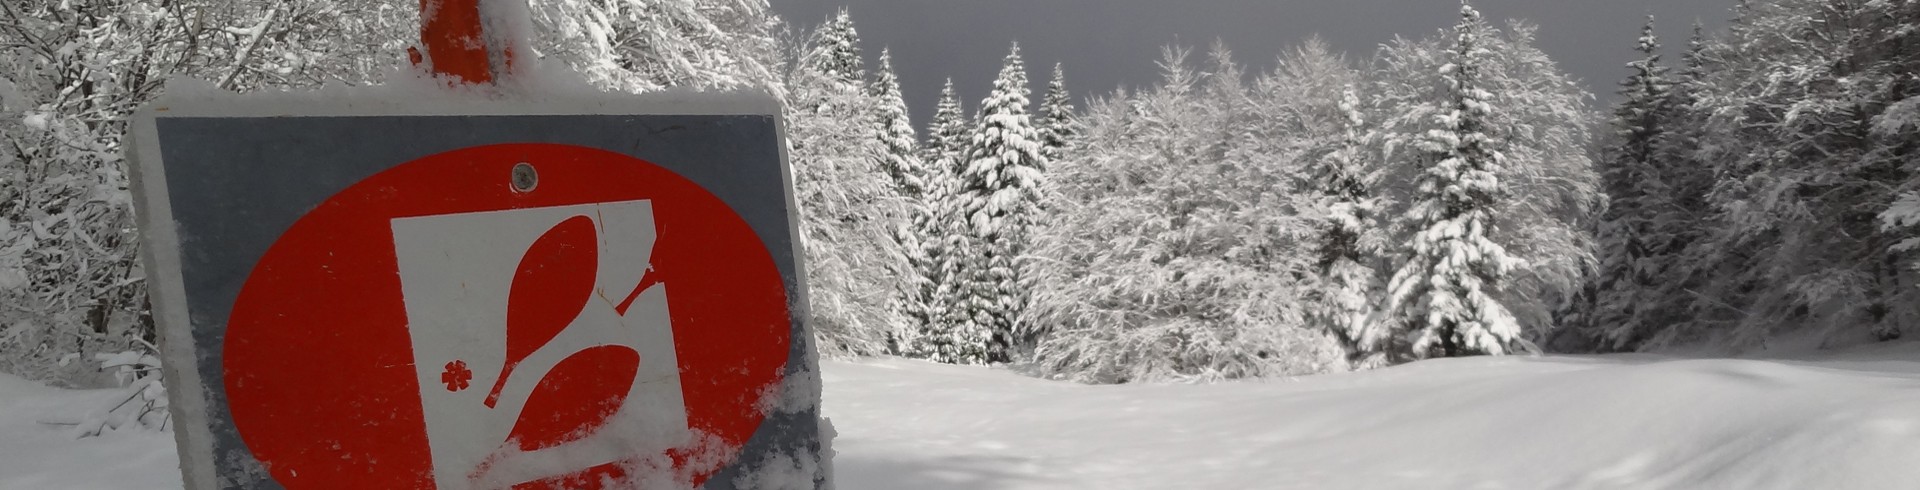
38 451
1558 422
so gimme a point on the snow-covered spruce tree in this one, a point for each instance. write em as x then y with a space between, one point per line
1056 117
1349 247
848 213
1445 288
647 45
931 304
1678 219
1174 246
1710 281
901 160
1896 132
997 193
70 74
1057 132
1540 121
1632 251
1686 220
947 132
839 44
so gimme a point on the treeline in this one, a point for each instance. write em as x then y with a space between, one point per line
1434 200
1452 194
1763 188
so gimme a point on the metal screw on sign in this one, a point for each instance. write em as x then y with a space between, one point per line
525 178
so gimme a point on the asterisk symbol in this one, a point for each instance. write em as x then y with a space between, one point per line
456 376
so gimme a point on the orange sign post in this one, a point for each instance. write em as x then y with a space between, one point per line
458 45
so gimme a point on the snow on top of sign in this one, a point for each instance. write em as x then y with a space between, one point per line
536 88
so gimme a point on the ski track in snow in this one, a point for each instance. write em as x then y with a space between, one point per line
1838 420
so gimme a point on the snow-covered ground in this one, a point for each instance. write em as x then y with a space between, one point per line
1837 420
34 455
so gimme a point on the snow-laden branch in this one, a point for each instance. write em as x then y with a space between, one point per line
254 35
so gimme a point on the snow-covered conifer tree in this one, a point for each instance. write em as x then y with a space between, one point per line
1056 114
839 44
1346 258
1445 289
998 190
1808 135
849 215
947 133
935 263
1785 134
1632 250
1538 120
901 160
1687 177
1682 220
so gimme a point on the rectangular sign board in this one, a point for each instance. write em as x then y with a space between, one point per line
461 293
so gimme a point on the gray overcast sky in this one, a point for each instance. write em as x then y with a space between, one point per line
1107 44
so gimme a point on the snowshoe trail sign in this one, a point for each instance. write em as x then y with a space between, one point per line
477 293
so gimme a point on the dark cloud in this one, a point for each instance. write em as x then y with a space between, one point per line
1107 44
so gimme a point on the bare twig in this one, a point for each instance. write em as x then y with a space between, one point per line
21 28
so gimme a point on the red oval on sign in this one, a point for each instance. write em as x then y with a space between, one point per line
320 360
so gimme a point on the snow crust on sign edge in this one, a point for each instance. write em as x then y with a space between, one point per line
797 392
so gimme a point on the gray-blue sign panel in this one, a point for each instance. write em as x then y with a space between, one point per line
235 184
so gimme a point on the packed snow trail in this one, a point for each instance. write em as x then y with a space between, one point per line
1848 420
1839 422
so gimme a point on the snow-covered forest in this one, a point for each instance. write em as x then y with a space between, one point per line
1451 193
1301 232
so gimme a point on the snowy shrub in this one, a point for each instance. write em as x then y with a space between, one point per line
70 73
141 401
145 403
1308 115
1169 251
